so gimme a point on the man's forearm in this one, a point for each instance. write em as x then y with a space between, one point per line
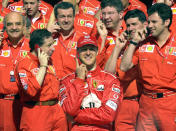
126 63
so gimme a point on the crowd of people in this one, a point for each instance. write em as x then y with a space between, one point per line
87 65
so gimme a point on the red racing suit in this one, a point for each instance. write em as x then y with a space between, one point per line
92 102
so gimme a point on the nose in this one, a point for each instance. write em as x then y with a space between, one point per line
88 52
28 6
14 26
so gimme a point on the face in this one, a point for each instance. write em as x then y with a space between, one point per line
169 2
111 17
87 55
48 46
15 26
156 25
133 24
65 19
31 7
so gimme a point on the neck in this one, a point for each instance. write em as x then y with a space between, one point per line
36 15
163 37
15 41
91 67
66 34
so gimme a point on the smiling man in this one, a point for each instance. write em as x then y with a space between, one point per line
39 86
14 47
91 96
155 59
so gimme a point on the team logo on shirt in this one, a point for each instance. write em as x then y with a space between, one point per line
174 10
86 23
89 10
94 83
23 53
147 48
18 8
41 25
5 53
1 19
111 41
170 50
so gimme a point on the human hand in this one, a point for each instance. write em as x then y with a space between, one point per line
81 70
43 57
53 28
101 29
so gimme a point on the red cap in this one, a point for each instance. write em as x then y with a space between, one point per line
87 40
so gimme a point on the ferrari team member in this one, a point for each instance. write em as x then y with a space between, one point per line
155 57
131 5
45 8
66 39
38 86
110 27
13 48
38 19
91 96
126 119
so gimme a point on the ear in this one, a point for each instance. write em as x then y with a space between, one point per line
145 24
121 15
167 22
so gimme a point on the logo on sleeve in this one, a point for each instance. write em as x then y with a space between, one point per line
111 104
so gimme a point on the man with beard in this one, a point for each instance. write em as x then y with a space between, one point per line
38 86
13 48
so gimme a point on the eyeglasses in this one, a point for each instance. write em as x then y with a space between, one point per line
109 13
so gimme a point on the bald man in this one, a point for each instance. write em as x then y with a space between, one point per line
13 48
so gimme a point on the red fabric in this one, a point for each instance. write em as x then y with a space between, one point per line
10 109
40 23
43 118
10 112
160 112
29 86
85 24
157 65
84 40
73 90
8 55
89 7
127 116
64 54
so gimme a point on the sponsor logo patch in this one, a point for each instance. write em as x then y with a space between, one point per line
147 48
86 23
5 53
100 88
111 104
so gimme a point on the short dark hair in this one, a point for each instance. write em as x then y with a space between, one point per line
163 10
63 5
37 37
135 14
112 3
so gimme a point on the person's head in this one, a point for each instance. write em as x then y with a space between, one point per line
87 49
170 2
64 13
111 13
31 7
159 18
43 38
135 19
14 24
